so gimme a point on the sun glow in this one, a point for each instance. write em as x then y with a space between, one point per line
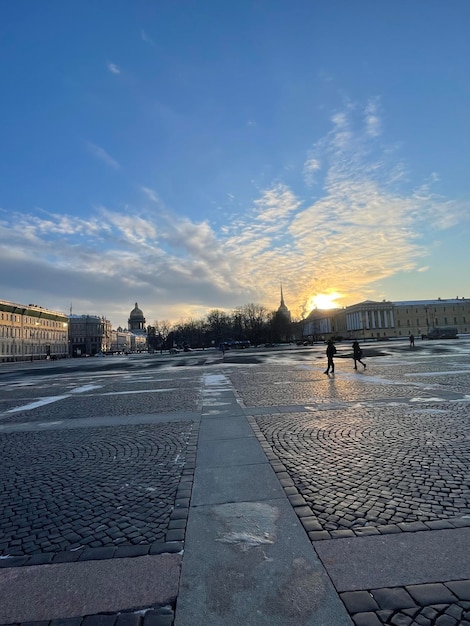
324 301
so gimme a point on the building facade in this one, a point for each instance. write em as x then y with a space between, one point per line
388 320
30 332
89 335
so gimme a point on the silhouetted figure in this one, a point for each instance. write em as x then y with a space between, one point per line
412 341
330 352
357 354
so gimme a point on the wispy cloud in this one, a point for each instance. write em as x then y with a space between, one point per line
145 37
101 154
151 194
311 167
372 120
113 68
365 224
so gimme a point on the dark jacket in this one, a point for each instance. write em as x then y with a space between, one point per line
330 349
356 350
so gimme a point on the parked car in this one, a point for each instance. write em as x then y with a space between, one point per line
443 333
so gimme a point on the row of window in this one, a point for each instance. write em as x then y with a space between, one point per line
28 333
435 309
19 349
86 339
436 322
13 317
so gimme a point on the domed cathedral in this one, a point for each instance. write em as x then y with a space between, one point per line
136 322
283 310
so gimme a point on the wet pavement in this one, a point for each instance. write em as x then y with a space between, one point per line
111 460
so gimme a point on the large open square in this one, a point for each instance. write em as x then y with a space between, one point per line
115 458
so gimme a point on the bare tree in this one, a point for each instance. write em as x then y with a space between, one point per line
255 320
219 326
162 330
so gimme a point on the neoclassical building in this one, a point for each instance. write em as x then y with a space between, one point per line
136 322
31 332
89 335
137 330
386 320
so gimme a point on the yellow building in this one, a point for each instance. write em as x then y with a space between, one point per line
30 332
387 320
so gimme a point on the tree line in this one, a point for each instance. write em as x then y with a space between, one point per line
250 322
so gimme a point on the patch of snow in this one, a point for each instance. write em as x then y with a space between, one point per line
37 404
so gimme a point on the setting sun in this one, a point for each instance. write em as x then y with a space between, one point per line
324 301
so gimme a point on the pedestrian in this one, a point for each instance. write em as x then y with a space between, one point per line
222 348
357 354
412 341
330 352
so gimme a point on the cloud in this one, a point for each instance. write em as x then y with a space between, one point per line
151 194
372 119
365 223
101 154
145 37
311 166
114 69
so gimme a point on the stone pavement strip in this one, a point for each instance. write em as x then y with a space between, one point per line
47 592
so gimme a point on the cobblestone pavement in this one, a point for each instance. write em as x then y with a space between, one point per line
94 492
366 469
380 451
433 604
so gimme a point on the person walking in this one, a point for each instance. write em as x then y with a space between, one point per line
412 341
330 352
357 354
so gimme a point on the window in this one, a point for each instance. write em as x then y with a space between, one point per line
445 320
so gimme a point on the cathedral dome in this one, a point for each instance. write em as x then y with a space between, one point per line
136 313
136 321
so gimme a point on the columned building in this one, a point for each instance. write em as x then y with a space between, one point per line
387 320
31 332
370 319
136 321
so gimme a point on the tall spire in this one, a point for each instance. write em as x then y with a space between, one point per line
283 310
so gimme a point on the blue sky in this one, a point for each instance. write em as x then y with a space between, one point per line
192 155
